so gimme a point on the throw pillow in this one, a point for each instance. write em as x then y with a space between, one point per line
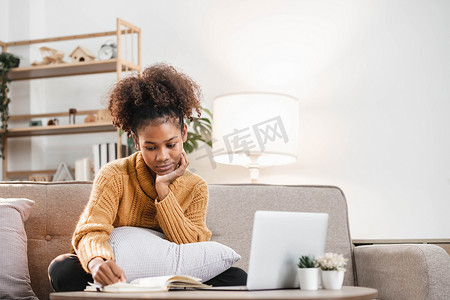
143 252
15 280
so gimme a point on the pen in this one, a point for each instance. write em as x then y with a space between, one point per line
98 287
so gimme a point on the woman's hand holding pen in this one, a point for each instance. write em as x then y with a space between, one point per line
162 181
106 272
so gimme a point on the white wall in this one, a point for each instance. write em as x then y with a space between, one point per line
4 20
4 32
372 79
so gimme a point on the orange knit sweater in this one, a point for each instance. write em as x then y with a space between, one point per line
124 194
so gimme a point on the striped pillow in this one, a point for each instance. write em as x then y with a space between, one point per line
15 280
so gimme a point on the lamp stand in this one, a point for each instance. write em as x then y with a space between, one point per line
254 174
254 168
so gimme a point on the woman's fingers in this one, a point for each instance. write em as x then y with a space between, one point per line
108 273
118 272
184 161
186 158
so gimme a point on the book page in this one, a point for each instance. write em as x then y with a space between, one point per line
169 281
158 281
150 284
120 287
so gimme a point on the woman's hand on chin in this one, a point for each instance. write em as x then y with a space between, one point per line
162 181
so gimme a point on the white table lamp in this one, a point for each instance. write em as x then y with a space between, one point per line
255 130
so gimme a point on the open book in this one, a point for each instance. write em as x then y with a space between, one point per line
149 284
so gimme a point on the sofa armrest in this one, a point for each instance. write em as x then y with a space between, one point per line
405 271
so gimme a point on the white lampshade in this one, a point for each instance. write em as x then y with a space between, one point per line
255 130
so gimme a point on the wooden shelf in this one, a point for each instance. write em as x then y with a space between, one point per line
21 174
59 70
128 59
60 129
52 115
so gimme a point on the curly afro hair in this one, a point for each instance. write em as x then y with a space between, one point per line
158 95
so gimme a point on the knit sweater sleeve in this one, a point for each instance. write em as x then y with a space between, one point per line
188 226
94 227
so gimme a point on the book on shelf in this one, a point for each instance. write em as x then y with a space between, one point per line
104 153
96 157
112 151
149 284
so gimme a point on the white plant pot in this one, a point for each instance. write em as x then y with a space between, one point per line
308 278
332 280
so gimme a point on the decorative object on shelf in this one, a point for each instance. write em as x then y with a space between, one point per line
199 131
50 56
255 130
332 270
103 116
90 119
53 122
308 273
83 169
63 173
108 50
44 178
35 123
81 54
7 62
72 114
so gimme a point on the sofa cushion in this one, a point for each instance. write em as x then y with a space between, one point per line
57 208
231 209
15 280
143 252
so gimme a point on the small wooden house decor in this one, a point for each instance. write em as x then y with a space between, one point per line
90 119
45 178
81 54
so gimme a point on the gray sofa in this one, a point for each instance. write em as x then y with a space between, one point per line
397 271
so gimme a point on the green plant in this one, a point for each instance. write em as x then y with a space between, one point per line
199 130
306 261
7 62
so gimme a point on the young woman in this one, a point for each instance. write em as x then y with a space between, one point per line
151 188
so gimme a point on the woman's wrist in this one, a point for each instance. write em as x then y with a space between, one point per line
94 263
162 190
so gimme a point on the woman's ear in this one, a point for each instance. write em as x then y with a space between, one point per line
184 132
136 142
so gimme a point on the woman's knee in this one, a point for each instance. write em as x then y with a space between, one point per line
232 276
59 265
66 273
238 276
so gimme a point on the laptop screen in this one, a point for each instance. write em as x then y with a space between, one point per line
279 239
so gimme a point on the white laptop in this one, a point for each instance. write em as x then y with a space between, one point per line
278 240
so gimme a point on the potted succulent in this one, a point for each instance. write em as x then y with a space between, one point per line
308 273
7 62
332 270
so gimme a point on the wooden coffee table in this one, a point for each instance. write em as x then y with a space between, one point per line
347 293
